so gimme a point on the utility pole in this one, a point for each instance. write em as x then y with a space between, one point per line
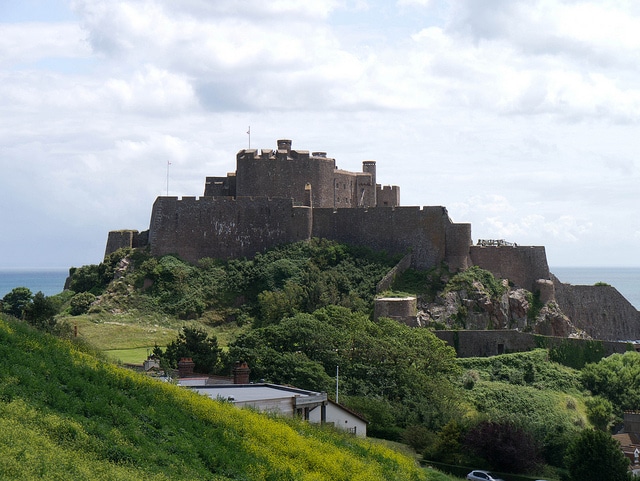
337 373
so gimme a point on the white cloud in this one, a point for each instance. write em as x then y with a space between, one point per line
26 43
153 91
519 117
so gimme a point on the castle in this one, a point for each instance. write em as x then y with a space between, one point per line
285 195
281 196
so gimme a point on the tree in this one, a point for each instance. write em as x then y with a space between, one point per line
196 344
16 301
599 412
616 378
40 312
594 455
505 446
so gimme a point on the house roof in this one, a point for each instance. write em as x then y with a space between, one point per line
251 392
350 411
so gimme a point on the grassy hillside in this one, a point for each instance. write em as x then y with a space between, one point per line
66 414
150 299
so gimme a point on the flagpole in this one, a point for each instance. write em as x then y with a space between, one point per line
168 164
249 134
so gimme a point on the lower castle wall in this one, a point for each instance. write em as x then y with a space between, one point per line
493 343
600 310
523 265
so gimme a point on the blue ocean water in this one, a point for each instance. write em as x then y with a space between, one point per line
49 281
625 279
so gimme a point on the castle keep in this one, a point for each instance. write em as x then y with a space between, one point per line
285 195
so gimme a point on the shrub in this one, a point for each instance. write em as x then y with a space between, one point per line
81 302
505 446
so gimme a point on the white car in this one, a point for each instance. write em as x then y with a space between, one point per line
478 475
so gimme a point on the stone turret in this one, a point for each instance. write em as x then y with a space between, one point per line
284 144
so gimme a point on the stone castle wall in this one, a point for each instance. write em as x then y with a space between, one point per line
118 239
422 231
492 343
599 310
523 265
224 227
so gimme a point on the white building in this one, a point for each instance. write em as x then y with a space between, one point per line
284 400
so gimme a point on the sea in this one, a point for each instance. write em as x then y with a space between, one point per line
625 279
48 281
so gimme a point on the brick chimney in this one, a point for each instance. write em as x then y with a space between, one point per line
241 373
185 367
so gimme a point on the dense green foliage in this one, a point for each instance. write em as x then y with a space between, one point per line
300 277
38 310
526 390
195 344
64 414
16 302
571 353
505 445
595 456
525 368
616 378
395 375
464 281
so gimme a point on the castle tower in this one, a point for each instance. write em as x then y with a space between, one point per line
369 167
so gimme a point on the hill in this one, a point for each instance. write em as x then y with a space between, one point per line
67 414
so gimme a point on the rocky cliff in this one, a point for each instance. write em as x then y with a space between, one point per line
584 312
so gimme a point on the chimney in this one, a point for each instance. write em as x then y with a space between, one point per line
241 373
185 367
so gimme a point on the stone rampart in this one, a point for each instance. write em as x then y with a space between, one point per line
224 227
599 310
397 270
422 231
118 239
522 265
492 343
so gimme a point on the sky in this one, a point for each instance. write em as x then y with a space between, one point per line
520 117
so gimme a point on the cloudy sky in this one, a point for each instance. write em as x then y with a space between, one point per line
520 117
